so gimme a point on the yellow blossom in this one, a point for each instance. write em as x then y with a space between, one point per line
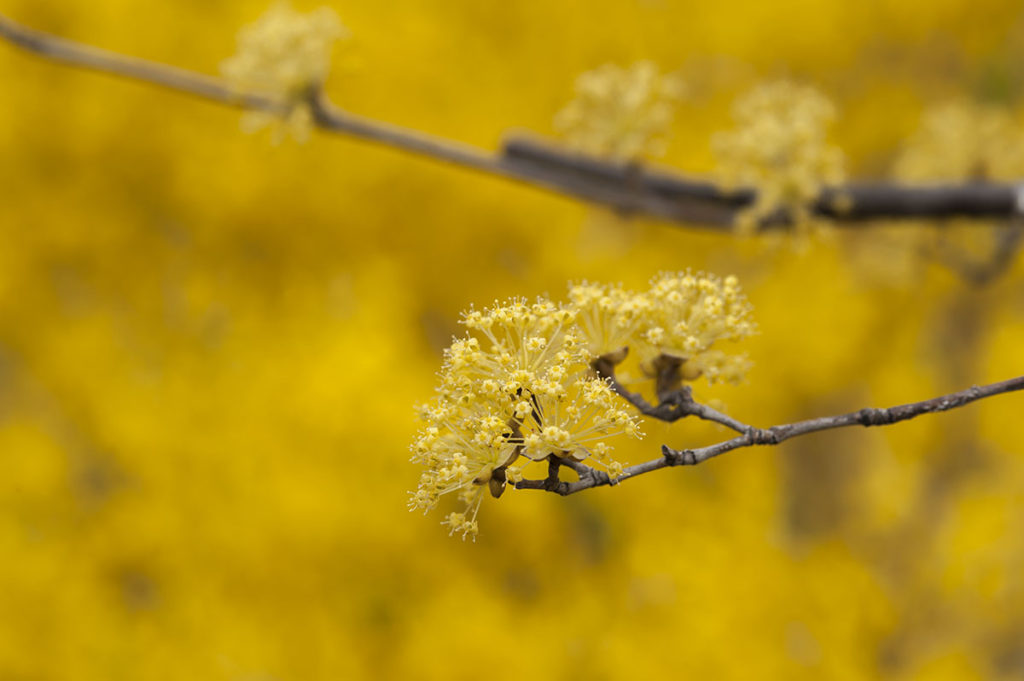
961 140
607 315
688 315
957 141
620 113
284 54
518 385
779 148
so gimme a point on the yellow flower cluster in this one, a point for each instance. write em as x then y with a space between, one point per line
520 383
681 316
284 54
620 113
779 148
609 316
963 140
689 315
959 141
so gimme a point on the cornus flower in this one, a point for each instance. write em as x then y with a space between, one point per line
683 318
518 385
608 316
689 317
779 148
620 113
524 383
961 140
285 55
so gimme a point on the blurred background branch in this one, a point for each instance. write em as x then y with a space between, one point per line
626 188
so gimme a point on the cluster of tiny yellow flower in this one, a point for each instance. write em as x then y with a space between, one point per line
689 315
517 385
521 385
779 148
621 113
608 316
961 141
284 54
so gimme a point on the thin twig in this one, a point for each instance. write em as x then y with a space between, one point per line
623 187
774 435
95 59
980 272
676 404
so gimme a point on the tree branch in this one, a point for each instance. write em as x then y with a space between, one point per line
852 203
982 271
590 477
674 405
623 187
95 59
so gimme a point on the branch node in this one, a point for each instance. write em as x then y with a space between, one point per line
678 457
763 436
874 417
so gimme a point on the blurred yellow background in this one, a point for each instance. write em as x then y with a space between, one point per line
210 349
